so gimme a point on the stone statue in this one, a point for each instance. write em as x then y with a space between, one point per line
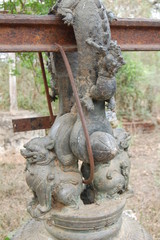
110 60
78 13
113 180
47 179
64 206
39 174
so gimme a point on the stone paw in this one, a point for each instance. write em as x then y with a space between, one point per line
43 209
68 19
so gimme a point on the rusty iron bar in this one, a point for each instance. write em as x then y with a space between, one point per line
46 86
23 33
26 33
31 124
81 114
4 11
137 34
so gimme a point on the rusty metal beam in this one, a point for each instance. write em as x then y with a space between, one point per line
137 34
25 33
4 11
29 124
22 33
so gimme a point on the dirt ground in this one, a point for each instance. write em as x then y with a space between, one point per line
144 179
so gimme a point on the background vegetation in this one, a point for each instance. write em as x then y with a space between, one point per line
138 84
30 87
138 95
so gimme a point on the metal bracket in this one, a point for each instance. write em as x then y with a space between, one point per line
30 124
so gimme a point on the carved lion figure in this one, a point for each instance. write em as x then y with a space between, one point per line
39 173
49 181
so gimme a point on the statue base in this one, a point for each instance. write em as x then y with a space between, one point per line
104 221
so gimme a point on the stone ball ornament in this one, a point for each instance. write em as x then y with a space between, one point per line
104 147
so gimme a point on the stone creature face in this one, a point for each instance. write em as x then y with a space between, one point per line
113 59
122 138
39 173
108 180
38 150
46 178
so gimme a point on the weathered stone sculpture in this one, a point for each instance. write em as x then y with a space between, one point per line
63 207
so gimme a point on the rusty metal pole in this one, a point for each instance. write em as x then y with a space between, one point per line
46 86
79 107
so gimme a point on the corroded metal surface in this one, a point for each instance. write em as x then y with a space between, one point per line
142 126
137 34
22 33
29 124
39 33
33 33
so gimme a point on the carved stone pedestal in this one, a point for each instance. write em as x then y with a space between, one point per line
96 222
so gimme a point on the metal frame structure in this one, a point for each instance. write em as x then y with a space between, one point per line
25 33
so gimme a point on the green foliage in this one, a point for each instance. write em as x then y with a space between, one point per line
28 6
35 100
30 87
129 95
30 61
137 92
